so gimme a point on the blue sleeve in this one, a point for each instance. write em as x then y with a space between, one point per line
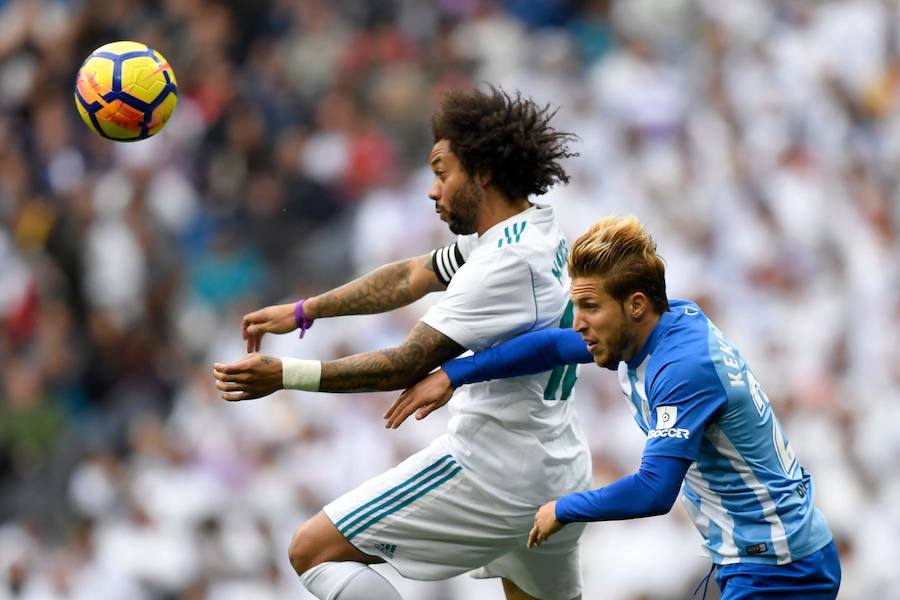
533 352
685 397
649 492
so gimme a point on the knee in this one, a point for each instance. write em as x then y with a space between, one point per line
303 552
318 541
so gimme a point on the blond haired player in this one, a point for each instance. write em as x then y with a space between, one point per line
711 432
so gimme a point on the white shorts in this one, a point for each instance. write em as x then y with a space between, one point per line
430 521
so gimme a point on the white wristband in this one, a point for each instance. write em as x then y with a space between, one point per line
298 374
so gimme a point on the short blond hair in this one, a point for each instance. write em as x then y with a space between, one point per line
620 251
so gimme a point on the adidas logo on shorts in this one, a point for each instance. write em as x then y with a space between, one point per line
386 549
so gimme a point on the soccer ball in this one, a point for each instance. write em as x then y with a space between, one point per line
125 91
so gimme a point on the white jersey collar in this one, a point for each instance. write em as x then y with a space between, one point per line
537 213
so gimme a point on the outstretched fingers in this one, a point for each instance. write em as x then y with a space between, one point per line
228 371
233 379
253 377
252 330
271 319
237 397
411 402
237 376
426 409
402 407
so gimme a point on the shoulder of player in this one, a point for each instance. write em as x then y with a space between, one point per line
682 356
492 262
536 247
491 259
529 227
516 233
520 240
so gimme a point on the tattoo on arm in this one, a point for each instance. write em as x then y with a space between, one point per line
384 289
393 369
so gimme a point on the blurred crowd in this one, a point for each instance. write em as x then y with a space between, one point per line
759 141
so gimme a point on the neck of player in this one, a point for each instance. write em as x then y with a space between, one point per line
495 208
641 329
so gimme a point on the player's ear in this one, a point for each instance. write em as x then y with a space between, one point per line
484 178
638 305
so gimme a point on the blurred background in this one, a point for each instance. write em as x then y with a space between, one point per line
758 140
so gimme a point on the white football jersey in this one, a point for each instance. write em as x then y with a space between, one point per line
517 437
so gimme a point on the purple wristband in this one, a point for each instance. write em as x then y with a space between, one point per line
300 319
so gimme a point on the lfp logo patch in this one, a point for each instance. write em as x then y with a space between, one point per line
665 424
665 416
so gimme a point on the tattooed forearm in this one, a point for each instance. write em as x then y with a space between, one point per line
392 369
384 289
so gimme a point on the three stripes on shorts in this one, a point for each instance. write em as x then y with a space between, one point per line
388 503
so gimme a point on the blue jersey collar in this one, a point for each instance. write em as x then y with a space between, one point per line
665 321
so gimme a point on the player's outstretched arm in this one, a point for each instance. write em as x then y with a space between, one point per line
532 352
386 288
391 369
649 492
396 368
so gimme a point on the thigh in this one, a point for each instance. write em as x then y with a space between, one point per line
552 570
514 592
426 518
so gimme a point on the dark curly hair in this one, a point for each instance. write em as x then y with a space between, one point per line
510 137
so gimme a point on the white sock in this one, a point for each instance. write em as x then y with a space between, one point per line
347 580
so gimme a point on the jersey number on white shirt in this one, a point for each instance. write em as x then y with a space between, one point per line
562 375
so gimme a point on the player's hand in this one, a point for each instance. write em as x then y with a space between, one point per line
428 395
271 319
545 525
254 377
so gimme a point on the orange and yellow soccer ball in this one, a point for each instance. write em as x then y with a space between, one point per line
125 91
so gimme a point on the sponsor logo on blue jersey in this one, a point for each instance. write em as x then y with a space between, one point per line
670 433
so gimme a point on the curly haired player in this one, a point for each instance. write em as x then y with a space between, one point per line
466 501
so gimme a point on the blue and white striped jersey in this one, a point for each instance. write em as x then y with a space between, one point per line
696 398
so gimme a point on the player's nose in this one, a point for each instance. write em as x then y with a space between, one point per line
434 192
578 324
